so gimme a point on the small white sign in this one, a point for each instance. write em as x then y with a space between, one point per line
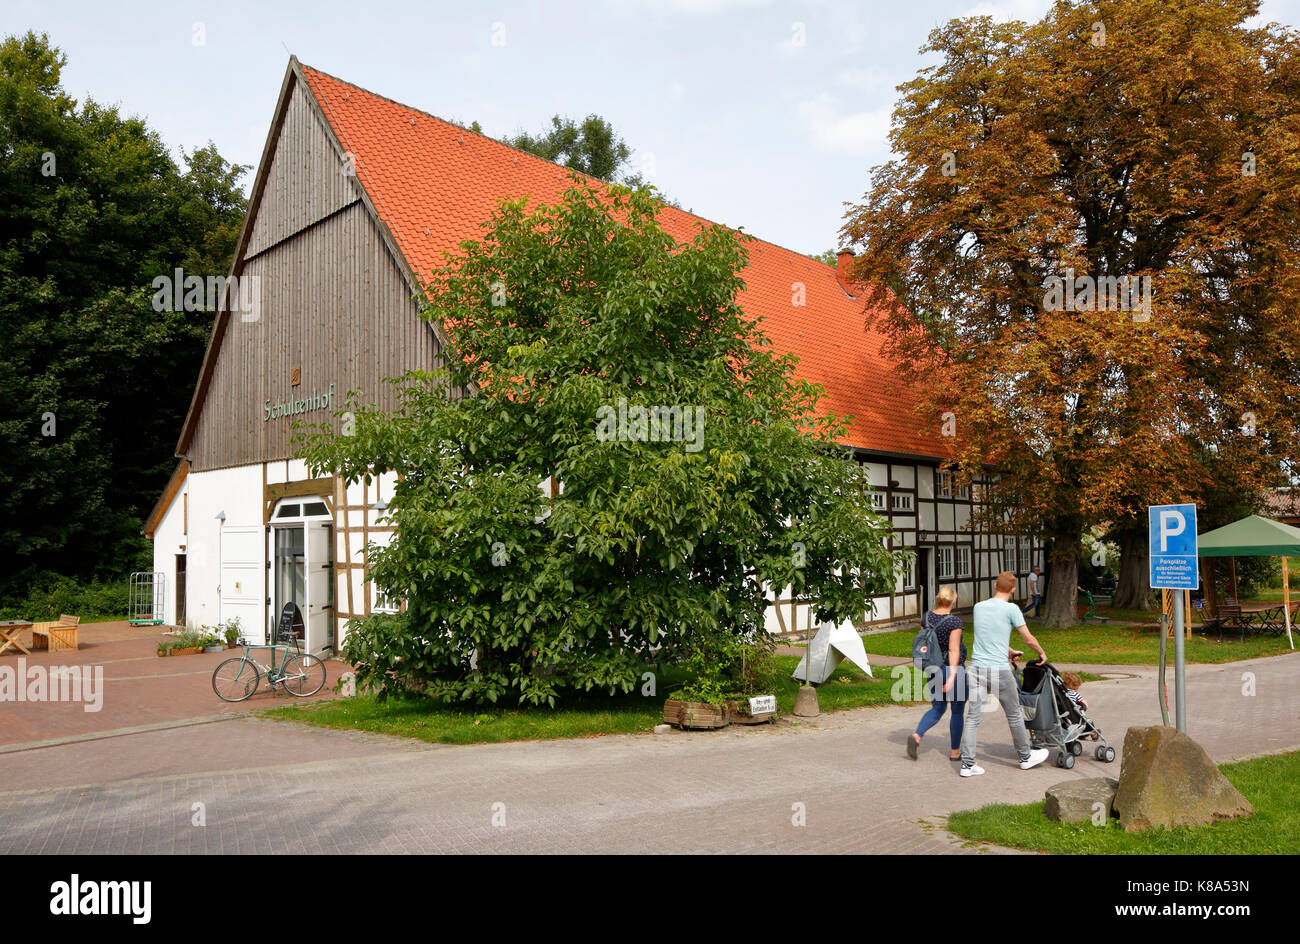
762 704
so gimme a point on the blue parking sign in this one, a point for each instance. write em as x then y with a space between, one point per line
1173 547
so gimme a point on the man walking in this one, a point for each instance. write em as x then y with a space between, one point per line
1035 592
989 673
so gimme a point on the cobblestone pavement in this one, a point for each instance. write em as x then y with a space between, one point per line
273 788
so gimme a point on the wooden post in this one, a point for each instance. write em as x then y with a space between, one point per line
1286 600
1235 599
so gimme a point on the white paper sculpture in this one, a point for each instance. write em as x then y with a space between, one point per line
831 646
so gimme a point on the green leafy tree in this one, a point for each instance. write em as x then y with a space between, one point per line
592 148
92 208
561 319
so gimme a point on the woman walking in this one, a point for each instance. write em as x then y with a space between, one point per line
948 628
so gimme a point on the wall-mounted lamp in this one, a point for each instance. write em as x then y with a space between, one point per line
221 516
380 504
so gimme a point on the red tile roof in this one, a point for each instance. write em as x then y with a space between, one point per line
434 184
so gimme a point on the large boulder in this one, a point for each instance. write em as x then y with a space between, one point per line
1075 801
1168 780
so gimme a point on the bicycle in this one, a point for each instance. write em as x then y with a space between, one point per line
298 673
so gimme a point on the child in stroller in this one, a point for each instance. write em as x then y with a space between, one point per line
1054 719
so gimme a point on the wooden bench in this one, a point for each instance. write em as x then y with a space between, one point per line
56 635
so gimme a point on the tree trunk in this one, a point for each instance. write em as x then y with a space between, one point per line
1132 591
1061 606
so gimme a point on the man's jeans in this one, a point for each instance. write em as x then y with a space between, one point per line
1035 602
981 682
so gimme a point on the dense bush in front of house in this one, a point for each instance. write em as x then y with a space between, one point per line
48 595
693 467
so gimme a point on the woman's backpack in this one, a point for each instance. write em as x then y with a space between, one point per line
926 653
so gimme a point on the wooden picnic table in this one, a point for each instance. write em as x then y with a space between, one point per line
9 630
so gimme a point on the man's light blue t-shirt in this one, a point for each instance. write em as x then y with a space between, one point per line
993 620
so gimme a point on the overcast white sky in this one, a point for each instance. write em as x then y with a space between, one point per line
730 115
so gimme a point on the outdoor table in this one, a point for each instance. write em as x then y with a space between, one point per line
1266 616
9 630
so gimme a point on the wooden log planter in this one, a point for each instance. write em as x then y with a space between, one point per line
695 714
192 650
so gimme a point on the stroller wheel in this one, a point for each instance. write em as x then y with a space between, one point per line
1067 761
1076 748
1106 754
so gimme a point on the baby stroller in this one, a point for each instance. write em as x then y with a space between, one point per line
1053 720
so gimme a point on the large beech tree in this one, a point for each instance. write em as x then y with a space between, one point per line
1110 141
562 320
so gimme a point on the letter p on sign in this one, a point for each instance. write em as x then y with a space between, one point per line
1172 524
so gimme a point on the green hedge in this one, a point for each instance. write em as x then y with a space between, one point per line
49 595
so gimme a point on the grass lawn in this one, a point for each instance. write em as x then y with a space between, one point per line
1268 782
434 721
1106 644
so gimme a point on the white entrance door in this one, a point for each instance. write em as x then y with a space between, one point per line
301 551
319 613
243 579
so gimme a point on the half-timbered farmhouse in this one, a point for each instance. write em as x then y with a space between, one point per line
355 198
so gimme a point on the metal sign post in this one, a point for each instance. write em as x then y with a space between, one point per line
1173 559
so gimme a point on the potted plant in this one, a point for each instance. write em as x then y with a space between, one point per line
187 643
163 649
701 703
694 708
232 633
754 700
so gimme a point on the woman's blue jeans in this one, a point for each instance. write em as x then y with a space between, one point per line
954 699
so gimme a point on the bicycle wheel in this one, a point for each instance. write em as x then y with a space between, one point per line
235 679
303 675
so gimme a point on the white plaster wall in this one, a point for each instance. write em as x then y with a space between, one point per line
237 492
169 539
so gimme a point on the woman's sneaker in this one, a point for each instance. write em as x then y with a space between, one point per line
1035 758
912 745
974 770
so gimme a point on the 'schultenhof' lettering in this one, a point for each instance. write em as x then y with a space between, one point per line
273 410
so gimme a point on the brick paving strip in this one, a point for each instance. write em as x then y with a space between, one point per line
140 690
270 787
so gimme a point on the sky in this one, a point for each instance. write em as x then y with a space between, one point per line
761 114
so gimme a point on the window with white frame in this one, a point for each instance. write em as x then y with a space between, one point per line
901 501
944 487
383 602
1026 554
943 563
1009 553
909 574
878 501
963 561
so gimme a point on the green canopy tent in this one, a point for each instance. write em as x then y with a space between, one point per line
1254 536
